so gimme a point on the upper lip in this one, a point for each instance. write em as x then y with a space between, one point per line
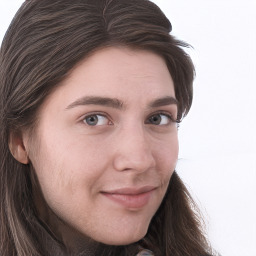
130 190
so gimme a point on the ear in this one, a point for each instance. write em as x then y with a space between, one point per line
17 147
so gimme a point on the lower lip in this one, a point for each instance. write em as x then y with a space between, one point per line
130 201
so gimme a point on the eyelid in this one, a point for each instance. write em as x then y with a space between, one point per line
82 118
166 113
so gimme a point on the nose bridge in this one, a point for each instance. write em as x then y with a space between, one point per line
134 150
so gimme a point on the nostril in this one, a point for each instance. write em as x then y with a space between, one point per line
134 151
135 161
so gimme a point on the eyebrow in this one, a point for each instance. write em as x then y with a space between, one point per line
116 103
168 100
95 100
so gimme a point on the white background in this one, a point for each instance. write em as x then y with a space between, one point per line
217 138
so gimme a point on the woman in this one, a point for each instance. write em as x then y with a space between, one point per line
91 94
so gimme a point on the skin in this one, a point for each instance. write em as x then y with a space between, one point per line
92 173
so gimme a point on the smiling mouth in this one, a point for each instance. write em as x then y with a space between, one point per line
131 198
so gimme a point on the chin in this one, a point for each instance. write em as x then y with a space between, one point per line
123 238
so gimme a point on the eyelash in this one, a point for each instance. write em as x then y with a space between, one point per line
169 116
96 114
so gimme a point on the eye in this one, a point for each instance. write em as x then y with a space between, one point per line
160 119
95 120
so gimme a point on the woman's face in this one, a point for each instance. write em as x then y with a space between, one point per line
106 144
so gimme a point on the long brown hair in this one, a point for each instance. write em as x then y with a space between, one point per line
45 40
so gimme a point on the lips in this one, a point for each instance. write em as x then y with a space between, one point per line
133 198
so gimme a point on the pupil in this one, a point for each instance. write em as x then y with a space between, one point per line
156 119
92 120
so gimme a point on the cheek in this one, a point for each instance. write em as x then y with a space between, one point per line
67 163
166 153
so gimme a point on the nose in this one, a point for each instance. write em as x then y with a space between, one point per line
133 150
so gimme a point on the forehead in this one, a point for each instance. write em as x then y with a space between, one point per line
120 72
